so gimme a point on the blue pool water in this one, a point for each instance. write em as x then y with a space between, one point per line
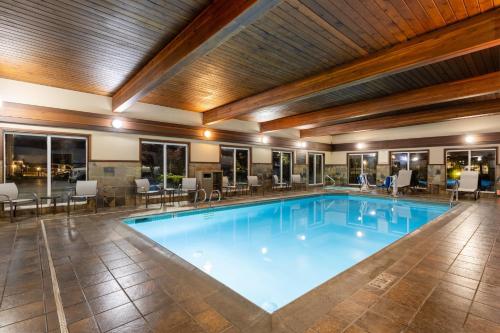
271 253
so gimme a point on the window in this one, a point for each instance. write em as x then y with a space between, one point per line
45 164
315 167
481 160
235 164
164 163
282 165
416 161
362 163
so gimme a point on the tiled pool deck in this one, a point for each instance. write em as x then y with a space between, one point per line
444 278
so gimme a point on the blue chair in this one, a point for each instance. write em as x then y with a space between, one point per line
386 184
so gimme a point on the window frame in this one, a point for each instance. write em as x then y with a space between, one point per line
362 167
234 148
469 152
314 155
281 161
48 135
164 144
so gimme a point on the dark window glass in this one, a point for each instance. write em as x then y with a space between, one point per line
319 169
152 163
483 161
236 173
315 169
398 161
418 164
362 163
370 167
310 169
354 164
176 164
227 163
241 165
26 162
69 164
456 162
282 166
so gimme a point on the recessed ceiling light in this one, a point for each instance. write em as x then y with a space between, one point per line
470 139
360 145
265 139
302 144
207 133
117 123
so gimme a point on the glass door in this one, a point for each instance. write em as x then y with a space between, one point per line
282 166
481 160
362 163
315 169
235 164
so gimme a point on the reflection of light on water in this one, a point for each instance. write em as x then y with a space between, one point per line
301 237
372 212
197 254
264 250
359 234
359 218
207 267
269 306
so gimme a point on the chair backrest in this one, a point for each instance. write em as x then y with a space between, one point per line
189 183
468 180
252 180
10 190
86 187
142 185
225 181
296 179
275 179
404 178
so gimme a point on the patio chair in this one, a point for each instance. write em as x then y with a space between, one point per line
468 183
402 181
277 185
10 194
254 184
144 189
188 186
227 187
387 184
84 190
298 182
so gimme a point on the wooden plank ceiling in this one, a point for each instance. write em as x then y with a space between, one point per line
97 46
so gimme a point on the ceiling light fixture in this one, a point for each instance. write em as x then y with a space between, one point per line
207 134
117 123
302 144
470 139
360 145
265 139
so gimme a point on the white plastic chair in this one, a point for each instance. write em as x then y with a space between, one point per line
277 185
226 186
254 184
9 193
403 181
297 181
84 190
468 183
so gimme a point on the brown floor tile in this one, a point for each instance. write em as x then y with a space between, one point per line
460 280
329 324
364 298
456 289
117 317
491 276
446 299
375 323
486 312
166 319
143 289
347 310
21 299
136 326
87 325
212 321
467 273
21 313
189 326
489 289
117 263
441 315
392 310
407 294
153 302
476 324
101 289
488 298
133 279
125 270
108 301
33 325
90 280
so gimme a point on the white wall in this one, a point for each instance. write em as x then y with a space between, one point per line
261 155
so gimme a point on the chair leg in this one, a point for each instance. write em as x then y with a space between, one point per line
147 199
69 207
95 206
10 213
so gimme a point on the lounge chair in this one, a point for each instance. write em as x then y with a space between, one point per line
402 181
387 184
10 194
298 182
277 185
468 183
254 184
84 190
144 189
188 186
227 187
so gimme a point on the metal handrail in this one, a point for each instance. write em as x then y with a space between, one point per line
196 196
329 178
219 196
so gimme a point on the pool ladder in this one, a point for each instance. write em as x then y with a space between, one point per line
210 201
454 196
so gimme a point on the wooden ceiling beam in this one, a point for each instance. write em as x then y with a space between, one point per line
214 25
471 35
440 93
468 110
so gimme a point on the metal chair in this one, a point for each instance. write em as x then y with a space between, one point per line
144 189
84 190
298 182
187 186
277 185
9 193
228 187
254 184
